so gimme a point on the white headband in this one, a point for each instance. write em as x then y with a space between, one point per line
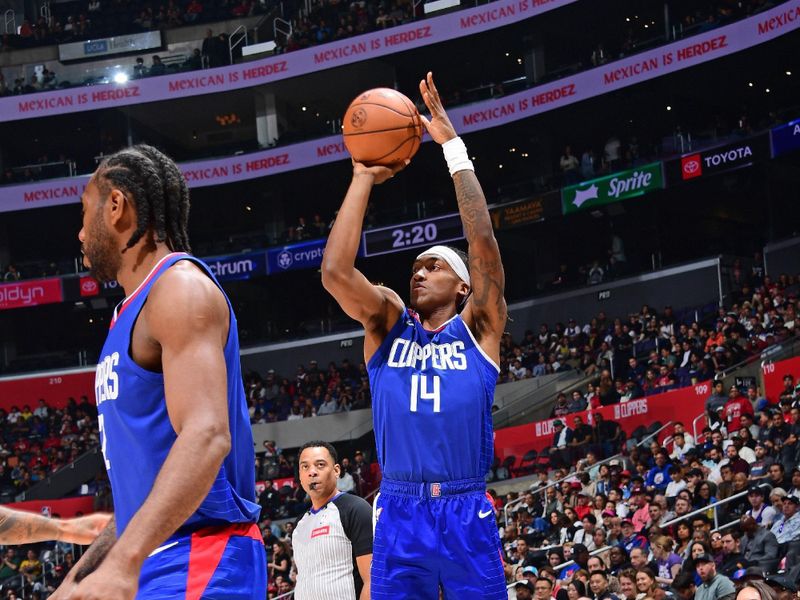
449 256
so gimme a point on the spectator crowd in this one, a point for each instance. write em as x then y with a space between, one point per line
35 442
650 352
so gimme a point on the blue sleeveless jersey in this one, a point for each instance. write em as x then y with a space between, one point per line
432 395
136 434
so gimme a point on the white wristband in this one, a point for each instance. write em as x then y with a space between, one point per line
455 153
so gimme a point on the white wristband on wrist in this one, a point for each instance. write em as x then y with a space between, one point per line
455 153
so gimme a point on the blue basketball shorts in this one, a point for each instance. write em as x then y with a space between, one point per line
436 535
214 563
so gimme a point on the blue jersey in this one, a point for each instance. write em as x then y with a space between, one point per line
432 395
135 431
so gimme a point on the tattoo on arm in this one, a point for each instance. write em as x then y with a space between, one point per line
486 267
92 558
25 528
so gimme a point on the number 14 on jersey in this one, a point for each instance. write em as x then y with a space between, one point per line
423 388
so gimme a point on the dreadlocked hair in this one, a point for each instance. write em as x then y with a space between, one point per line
158 190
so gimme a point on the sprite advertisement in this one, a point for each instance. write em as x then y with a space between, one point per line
612 188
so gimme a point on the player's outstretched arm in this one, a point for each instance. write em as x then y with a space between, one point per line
485 312
21 527
186 316
375 307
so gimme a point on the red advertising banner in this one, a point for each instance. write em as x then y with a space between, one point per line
679 405
774 374
54 388
34 292
63 507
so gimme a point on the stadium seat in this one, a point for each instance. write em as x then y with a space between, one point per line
528 463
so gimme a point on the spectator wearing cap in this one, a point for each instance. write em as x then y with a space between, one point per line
758 544
639 502
760 468
787 529
530 573
631 538
736 406
761 512
714 586
523 590
580 560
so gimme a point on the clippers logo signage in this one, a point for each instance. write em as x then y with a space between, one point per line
736 155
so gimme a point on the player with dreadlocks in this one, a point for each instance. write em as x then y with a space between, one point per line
174 427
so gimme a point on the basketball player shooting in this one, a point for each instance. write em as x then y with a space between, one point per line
174 427
432 369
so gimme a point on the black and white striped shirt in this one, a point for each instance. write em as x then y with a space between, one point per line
326 543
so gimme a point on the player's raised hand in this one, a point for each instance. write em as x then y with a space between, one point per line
379 173
439 126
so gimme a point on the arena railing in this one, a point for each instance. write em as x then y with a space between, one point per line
714 507
597 552
572 474
544 488
518 403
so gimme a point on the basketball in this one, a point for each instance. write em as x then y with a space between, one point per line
382 127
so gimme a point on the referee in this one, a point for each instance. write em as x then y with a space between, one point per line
332 542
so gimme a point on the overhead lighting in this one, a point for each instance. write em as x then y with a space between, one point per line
247 208
788 72
669 107
524 155
508 54
767 90
499 166
750 84
646 25
303 108
120 77
519 61
512 149
627 19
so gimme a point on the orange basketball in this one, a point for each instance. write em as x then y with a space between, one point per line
382 127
